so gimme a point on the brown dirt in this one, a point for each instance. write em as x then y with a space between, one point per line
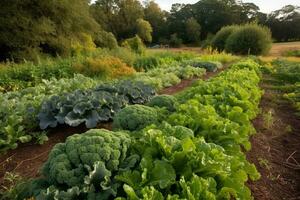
27 159
189 82
276 150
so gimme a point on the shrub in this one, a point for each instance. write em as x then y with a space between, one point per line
83 44
107 67
135 117
175 41
164 101
219 40
135 44
144 30
249 39
105 39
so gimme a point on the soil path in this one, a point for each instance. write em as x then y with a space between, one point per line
276 148
28 158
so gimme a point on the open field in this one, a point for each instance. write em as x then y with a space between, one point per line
279 48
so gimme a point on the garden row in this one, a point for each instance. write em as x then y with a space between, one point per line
73 101
101 64
289 72
182 147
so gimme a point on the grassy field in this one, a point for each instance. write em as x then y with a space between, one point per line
279 48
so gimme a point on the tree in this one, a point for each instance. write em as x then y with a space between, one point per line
193 30
144 30
28 27
285 23
157 18
118 16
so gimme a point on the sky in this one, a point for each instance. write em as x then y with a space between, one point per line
265 5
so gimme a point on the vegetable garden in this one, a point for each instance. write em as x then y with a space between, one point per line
195 144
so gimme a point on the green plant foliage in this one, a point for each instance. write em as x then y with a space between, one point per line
135 44
43 27
18 110
198 157
92 106
169 76
289 72
175 41
292 53
250 39
144 30
15 77
105 39
84 166
160 59
163 101
219 40
135 117
212 66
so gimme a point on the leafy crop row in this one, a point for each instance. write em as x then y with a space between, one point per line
19 110
289 72
92 106
192 152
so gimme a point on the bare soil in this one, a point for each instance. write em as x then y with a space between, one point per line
276 149
27 159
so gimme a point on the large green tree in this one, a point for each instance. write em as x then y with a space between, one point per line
285 23
157 18
32 26
118 16
193 29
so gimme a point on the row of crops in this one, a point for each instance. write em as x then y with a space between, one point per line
289 73
188 146
25 113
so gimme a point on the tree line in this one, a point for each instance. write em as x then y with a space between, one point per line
66 27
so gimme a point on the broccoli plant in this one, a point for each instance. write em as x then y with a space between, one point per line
84 167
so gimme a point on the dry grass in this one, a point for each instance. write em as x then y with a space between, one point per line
279 48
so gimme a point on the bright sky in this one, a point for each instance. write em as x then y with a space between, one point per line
265 5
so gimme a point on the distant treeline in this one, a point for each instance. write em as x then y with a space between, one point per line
66 27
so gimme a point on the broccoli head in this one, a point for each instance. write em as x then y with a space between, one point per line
135 117
71 163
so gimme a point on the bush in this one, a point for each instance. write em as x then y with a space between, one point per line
175 41
82 45
219 40
105 39
250 39
135 44
107 67
164 101
135 117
